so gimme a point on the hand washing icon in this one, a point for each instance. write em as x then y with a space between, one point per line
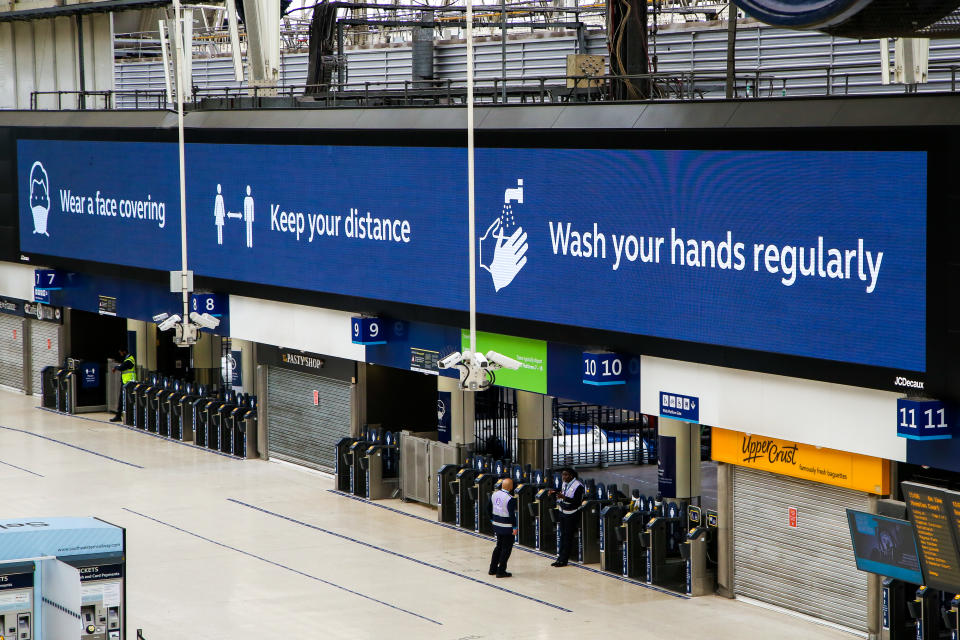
503 247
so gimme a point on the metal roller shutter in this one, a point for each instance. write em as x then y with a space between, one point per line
300 431
809 569
44 350
11 352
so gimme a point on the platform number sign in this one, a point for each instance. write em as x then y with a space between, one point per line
604 369
48 279
367 331
207 303
923 419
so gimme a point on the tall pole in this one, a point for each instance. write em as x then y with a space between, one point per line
470 203
731 49
503 47
178 52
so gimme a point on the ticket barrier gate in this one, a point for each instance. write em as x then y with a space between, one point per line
526 495
483 488
219 424
925 611
633 553
356 451
460 488
189 404
446 502
588 537
17 600
130 415
951 618
243 428
147 403
379 484
102 606
341 464
699 551
164 398
176 410
544 511
611 518
665 567
48 384
204 433
66 391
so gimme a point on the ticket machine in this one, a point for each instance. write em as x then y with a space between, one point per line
17 600
102 594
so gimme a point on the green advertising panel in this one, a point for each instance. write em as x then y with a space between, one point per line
532 375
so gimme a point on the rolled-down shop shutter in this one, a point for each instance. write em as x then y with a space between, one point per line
11 352
808 568
44 349
298 430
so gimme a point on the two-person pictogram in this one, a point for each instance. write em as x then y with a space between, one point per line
220 215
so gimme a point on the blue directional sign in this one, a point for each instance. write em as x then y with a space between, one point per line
90 375
923 420
367 331
680 407
603 369
49 279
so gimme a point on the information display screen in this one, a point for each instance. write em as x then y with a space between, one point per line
930 513
885 546
808 253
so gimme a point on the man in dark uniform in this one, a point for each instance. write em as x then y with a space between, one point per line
504 518
569 500
128 373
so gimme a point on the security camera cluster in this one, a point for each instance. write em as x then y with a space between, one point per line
476 369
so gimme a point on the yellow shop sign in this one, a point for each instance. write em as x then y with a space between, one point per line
828 466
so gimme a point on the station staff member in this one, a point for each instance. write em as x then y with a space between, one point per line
568 502
504 525
128 373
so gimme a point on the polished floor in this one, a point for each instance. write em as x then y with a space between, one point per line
223 549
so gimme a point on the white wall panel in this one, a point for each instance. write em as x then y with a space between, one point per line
818 413
23 50
16 280
64 30
44 63
295 326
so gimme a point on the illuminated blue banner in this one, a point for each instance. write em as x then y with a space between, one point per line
815 253
114 202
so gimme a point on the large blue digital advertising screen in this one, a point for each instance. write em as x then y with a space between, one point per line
819 254
113 202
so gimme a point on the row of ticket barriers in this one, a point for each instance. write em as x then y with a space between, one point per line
664 543
216 419
369 466
909 612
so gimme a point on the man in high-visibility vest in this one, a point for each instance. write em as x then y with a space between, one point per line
128 373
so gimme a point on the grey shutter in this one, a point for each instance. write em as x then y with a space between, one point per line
298 430
44 350
809 569
11 352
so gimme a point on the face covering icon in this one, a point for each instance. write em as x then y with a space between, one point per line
39 198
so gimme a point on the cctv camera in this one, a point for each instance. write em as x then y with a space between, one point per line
479 361
501 360
205 320
160 317
451 360
169 323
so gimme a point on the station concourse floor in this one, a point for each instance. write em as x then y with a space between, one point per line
222 549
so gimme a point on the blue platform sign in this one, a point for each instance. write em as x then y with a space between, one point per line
41 295
923 420
90 375
367 331
211 303
443 416
679 407
236 368
48 279
603 369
